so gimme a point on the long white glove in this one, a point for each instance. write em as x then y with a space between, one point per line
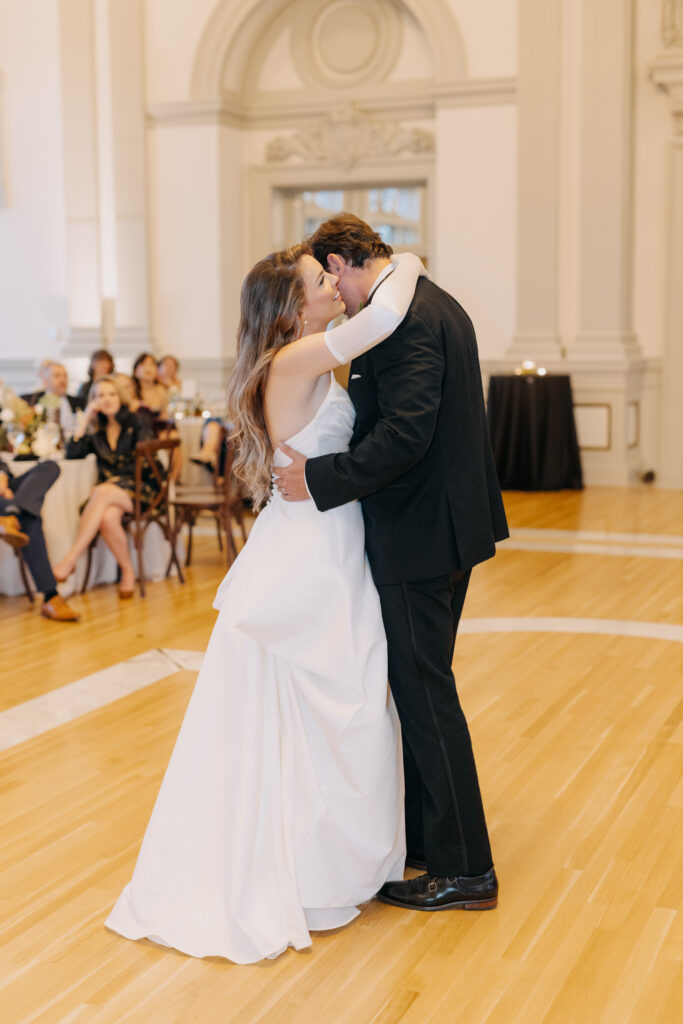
378 320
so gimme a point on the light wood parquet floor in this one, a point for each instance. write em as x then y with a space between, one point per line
578 741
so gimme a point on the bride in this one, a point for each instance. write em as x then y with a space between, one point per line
282 806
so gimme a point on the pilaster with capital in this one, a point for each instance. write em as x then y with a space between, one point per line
666 73
537 333
605 330
81 175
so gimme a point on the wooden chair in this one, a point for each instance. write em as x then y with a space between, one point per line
167 430
222 500
158 511
137 522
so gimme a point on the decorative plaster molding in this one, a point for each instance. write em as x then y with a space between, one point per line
622 350
82 341
475 92
196 112
233 30
347 137
419 101
667 73
672 22
321 56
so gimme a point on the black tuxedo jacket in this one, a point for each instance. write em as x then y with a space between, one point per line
73 400
420 458
4 468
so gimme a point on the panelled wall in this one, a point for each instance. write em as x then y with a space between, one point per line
146 147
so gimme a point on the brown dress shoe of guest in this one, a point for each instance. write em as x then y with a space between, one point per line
10 532
58 610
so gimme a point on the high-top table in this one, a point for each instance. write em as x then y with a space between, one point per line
531 421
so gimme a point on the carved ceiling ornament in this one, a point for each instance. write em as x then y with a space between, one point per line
345 42
672 22
348 136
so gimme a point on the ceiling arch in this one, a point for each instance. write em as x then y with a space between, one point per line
236 28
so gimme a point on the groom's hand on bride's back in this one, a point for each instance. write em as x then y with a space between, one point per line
291 480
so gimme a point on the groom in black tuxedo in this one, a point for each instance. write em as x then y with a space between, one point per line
420 461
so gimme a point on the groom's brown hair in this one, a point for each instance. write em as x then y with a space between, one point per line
349 237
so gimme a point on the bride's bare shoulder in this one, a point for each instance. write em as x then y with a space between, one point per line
289 404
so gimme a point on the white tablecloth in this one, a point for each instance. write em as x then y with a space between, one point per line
60 524
190 433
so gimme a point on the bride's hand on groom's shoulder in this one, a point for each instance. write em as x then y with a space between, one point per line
291 480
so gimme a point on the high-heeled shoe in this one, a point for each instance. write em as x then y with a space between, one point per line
125 593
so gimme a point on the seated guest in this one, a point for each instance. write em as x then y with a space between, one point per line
152 397
168 368
43 374
126 389
151 400
56 382
111 431
212 450
21 500
101 365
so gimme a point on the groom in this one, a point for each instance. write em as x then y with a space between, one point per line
420 462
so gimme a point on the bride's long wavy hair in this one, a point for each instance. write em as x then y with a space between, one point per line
271 304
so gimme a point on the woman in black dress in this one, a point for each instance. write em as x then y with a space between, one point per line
111 431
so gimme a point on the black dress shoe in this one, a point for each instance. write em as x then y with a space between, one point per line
425 892
415 862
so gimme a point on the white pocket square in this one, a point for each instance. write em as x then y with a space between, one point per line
356 376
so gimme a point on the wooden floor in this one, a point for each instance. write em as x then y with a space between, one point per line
578 739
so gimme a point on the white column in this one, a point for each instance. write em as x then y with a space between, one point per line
667 72
606 167
121 117
76 38
231 236
537 334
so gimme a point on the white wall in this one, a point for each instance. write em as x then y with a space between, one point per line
173 29
185 244
32 232
652 134
489 31
475 205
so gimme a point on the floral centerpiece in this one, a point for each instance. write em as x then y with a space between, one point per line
29 432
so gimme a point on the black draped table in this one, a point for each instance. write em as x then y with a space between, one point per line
531 420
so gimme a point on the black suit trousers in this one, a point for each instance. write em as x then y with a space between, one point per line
444 813
29 492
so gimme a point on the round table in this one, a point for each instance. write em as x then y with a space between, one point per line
60 523
531 421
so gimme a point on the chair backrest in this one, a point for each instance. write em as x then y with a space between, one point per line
162 427
146 453
227 482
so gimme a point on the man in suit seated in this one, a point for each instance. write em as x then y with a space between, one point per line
56 382
21 500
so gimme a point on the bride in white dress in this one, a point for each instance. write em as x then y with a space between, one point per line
282 806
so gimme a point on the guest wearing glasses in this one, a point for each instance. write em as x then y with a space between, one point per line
56 383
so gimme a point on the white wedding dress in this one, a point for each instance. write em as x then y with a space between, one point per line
282 805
